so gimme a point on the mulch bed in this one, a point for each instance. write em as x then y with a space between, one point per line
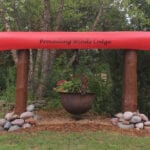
60 120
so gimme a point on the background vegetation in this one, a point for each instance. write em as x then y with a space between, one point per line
46 67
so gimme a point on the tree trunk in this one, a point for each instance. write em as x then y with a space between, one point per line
13 52
37 70
48 57
97 17
130 81
22 81
45 53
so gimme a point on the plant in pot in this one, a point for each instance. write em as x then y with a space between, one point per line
75 94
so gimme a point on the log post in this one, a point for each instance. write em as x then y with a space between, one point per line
22 81
130 81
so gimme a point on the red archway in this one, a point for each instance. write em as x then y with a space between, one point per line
128 41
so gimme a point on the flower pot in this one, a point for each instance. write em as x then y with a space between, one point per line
77 103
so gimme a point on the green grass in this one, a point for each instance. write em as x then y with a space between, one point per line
47 140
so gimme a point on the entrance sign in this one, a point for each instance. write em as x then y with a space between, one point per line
75 40
129 41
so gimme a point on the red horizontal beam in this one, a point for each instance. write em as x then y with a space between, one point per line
75 40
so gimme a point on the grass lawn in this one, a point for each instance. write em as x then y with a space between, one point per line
48 140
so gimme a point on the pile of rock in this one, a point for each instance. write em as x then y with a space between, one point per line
130 120
13 122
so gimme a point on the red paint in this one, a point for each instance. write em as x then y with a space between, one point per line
75 40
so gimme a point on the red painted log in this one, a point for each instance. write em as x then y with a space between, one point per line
130 81
75 40
22 81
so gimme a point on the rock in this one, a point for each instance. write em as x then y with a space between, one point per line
135 119
30 108
7 125
123 126
9 116
14 128
144 117
121 119
1 128
26 115
147 123
2 122
18 122
26 125
119 115
127 115
30 121
136 113
139 125
126 122
114 121
14 117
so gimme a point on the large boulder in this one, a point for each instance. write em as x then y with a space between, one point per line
139 125
2 122
30 108
147 123
14 128
119 115
124 126
127 115
9 116
26 125
135 119
144 117
7 125
18 122
26 115
114 121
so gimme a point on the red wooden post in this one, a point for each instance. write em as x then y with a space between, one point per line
22 81
130 81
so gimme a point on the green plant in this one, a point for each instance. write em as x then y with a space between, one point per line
8 94
77 84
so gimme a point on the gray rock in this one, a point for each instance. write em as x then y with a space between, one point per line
2 122
147 123
114 121
14 117
1 128
144 117
124 126
119 115
7 125
136 113
14 128
30 108
18 122
121 119
135 119
9 116
127 115
139 125
26 115
26 125
127 122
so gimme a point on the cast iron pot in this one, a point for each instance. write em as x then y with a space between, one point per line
77 103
